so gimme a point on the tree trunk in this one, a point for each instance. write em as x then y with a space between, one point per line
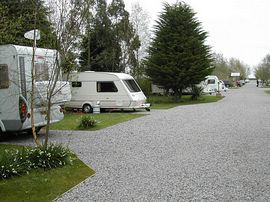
177 95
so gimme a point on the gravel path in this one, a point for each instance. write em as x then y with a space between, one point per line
208 152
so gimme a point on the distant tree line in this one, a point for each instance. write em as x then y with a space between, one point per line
262 71
106 37
223 67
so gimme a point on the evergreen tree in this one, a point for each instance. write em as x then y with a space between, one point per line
178 57
99 51
110 39
125 34
20 16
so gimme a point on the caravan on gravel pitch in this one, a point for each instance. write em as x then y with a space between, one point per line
109 90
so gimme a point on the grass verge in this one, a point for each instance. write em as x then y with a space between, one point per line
166 102
266 86
42 185
267 91
71 120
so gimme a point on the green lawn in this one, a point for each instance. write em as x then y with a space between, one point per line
268 91
166 102
71 120
42 185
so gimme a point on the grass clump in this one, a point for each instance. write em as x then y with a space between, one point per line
14 163
87 121
52 156
197 92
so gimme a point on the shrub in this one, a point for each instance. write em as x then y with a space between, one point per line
52 156
87 121
146 86
14 162
196 92
19 162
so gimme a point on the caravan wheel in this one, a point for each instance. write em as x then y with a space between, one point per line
87 108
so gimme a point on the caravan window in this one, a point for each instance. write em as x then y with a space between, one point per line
211 81
42 72
132 85
4 80
106 86
76 84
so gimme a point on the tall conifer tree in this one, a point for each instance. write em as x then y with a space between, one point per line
20 16
178 57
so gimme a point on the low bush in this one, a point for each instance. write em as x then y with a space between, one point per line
52 156
14 162
87 122
196 92
146 86
19 162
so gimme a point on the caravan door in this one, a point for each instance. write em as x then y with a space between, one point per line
111 94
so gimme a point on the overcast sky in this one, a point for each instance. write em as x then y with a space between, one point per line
236 28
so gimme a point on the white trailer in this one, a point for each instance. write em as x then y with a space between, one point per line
16 87
210 84
110 90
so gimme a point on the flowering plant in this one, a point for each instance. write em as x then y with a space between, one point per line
19 162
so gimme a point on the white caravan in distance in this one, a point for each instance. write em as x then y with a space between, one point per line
110 90
16 87
210 84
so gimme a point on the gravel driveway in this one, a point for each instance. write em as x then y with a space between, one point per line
208 152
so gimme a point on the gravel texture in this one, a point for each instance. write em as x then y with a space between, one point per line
208 152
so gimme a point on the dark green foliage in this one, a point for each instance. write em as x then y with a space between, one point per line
87 122
263 70
196 92
145 85
19 162
98 52
52 156
20 16
178 56
14 162
110 40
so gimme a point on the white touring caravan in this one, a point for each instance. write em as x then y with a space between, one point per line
210 84
16 87
110 90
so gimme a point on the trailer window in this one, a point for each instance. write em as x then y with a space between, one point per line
76 84
42 72
132 85
211 81
4 80
106 86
